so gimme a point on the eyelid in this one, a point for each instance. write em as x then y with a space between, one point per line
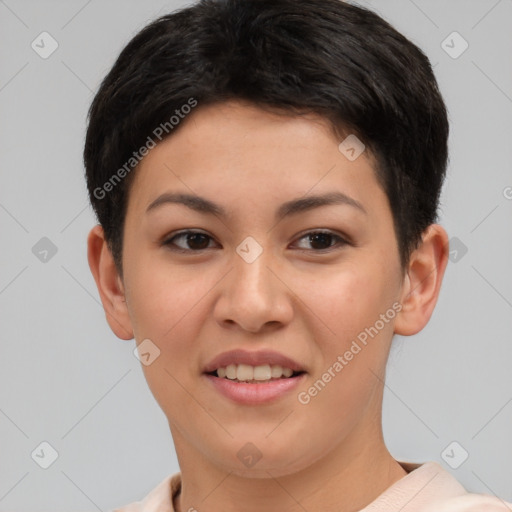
341 240
168 238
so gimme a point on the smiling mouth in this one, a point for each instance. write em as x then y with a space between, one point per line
226 374
254 385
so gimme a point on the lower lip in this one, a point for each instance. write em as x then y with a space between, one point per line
253 394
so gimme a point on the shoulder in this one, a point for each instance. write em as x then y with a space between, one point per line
428 487
471 503
442 492
159 499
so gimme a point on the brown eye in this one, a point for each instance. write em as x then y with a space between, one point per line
192 241
323 240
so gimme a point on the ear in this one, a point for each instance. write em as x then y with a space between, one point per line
422 281
109 283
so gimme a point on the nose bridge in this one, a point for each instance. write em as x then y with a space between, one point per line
252 296
251 273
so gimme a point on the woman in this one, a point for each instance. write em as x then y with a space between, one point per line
304 144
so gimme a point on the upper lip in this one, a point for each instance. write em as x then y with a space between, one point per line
258 358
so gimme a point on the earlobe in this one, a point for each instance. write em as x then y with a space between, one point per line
109 284
422 283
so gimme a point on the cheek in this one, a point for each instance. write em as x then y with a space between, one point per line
353 351
350 305
344 302
160 297
165 309
164 305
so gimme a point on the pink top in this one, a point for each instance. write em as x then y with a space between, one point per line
426 488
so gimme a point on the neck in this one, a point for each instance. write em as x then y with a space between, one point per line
347 479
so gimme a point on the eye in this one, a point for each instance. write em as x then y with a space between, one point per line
196 241
321 240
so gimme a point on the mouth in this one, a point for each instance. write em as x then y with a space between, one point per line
251 378
262 374
254 385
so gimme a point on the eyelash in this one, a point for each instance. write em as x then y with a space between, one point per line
169 242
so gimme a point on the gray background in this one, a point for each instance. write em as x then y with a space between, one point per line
67 380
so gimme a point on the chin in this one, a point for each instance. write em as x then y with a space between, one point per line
250 462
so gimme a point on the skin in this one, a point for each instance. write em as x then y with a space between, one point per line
306 300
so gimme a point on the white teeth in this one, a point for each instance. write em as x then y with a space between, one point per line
245 372
231 371
276 371
287 372
261 372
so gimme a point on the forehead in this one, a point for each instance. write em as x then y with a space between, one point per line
236 149
235 125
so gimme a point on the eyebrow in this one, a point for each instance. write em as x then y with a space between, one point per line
203 205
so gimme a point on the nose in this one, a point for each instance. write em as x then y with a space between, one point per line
254 295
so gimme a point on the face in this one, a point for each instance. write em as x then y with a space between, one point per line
309 280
